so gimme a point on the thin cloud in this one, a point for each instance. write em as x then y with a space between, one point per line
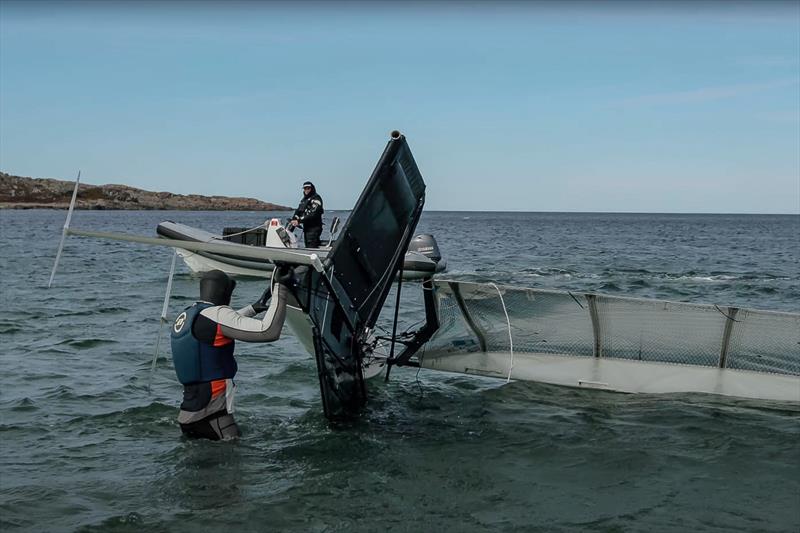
705 94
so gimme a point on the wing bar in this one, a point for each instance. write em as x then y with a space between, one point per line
267 254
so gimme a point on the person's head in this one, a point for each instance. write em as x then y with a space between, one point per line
216 287
308 188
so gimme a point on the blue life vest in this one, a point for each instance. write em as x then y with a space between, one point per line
195 361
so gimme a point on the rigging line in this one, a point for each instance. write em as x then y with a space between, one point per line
510 338
419 383
396 312
576 300
409 328
222 238
729 317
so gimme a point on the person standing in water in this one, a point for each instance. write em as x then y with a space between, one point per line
203 338
309 214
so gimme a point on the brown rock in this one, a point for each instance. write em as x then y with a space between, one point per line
18 192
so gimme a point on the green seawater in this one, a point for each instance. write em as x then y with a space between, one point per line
86 447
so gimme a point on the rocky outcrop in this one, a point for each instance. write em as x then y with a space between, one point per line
33 193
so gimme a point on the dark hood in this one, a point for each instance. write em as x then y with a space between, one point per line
216 287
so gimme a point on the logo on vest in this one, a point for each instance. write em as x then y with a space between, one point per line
179 322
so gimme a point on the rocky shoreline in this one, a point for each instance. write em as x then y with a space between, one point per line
17 192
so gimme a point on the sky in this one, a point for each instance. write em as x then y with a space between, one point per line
521 106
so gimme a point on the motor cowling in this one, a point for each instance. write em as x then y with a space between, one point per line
426 245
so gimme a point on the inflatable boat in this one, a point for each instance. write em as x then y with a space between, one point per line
422 259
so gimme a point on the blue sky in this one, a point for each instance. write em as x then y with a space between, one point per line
629 107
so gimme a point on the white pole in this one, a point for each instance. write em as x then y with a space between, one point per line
162 320
64 230
510 338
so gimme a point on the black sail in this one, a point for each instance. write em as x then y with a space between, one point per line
344 301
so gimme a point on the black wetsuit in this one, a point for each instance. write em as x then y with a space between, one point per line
207 407
309 214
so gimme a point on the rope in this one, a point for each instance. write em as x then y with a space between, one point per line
725 314
510 338
576 300
262 225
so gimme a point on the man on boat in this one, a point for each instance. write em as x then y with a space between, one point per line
309 214
202 349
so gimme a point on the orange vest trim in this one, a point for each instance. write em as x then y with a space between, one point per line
217 387
220 339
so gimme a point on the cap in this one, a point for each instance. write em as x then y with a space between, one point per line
308 184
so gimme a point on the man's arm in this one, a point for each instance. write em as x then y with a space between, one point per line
247 311
241 327
300 208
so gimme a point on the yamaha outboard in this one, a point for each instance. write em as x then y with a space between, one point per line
427 246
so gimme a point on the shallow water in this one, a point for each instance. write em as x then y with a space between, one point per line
87 448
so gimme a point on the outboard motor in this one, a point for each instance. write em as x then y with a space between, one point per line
427 246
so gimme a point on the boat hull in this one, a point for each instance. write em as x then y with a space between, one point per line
620 375
416 265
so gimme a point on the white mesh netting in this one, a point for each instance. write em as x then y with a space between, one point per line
473 319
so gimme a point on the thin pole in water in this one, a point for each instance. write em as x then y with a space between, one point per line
390 361
162 320
64 230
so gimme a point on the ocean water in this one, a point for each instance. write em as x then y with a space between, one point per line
86 447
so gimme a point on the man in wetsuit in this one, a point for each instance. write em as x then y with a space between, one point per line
202 350
309 214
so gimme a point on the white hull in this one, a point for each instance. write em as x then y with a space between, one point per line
301 325
621 375
199 264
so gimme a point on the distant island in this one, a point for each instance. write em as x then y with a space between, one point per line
18 192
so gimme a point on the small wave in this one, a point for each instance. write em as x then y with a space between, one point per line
56 351
694 277
24 405
298 369
95 311
86 343
87 312
126 522
610 272
156 413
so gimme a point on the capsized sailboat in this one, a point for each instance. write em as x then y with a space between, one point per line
566 338
340 292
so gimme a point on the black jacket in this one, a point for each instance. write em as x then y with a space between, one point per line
309 212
